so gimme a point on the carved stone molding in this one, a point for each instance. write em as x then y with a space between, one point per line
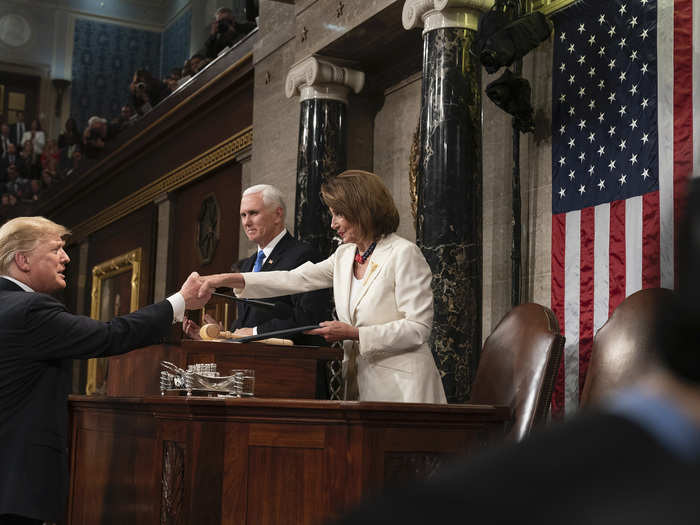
314 77
437 14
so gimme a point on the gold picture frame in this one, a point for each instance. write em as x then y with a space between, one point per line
109 280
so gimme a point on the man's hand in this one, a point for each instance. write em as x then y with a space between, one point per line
191 329
212 282
336 331
243 332
194 292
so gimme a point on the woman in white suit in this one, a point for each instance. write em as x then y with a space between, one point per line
381 286
36 136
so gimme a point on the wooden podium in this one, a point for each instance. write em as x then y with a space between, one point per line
295 372
210 461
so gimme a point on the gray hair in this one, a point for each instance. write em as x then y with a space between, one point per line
271 196
96 120
224 10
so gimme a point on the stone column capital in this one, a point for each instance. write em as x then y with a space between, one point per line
314 77
437 14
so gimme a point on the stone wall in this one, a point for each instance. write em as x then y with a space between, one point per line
276 121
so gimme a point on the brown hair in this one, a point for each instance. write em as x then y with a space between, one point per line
362 199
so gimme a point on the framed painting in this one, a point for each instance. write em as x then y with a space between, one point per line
115 291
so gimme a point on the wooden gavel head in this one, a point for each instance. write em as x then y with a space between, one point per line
210 331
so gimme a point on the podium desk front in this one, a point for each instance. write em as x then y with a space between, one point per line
205 461
294 372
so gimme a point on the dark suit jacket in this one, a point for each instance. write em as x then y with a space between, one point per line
598 468
16 135
293 310
38 340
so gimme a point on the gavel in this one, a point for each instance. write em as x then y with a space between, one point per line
212 331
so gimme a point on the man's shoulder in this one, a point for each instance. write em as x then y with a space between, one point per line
288 243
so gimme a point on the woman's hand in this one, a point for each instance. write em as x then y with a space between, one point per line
336 331
212 282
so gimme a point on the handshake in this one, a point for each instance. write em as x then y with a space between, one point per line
197 289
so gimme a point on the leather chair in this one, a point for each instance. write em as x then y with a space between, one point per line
623 348
518 365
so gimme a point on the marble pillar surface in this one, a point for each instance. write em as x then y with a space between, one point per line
322 154
449 202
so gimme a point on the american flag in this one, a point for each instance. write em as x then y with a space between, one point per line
622 149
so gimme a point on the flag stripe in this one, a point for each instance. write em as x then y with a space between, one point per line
651 270
683 108
572 303
665 45
557 302
617 255
696 92
633 245
587 266
602 254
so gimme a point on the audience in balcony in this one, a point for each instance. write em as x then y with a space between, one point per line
146 91
30 163
224 32
37 137
18 129
5 140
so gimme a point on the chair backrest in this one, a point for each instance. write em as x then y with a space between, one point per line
623 347
518 364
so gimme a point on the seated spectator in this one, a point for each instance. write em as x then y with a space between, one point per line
12 158
5 140
146 91
50 152
224 32
46 179
70 136
37 137
29 167
127 116
34 190
5 199
15 184
173 79
95 136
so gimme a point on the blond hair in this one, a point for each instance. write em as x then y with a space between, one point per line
22 234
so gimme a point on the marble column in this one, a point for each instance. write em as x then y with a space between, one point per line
449 183
323 89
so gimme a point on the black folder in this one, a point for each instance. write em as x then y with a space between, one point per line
276 333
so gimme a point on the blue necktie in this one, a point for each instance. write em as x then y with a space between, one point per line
259 261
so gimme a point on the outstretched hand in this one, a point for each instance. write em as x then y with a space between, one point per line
336 331
194 293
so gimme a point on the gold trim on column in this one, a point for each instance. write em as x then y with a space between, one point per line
548 6
221 154
130 261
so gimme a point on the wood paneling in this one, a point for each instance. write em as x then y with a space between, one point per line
255 461
280 371
225 184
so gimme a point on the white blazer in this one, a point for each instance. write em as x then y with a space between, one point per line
37 143
393 311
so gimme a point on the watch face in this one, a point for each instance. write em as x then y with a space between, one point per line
14 30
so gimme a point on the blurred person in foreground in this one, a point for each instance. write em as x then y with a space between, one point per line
634 459
38 340
381 286
262 213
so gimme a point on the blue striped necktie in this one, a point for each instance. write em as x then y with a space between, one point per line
259 261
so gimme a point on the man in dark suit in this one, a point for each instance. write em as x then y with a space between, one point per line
633 460
262 217
17 130
38 340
